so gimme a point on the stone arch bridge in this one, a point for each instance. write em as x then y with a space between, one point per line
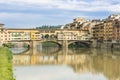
61 43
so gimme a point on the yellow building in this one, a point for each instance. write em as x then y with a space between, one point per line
108 30
34 34
116 30
98 31
103 30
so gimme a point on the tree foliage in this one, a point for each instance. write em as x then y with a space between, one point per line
49 27
9 45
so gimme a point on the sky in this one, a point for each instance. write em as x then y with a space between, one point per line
34 13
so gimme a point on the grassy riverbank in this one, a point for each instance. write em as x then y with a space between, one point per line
6 64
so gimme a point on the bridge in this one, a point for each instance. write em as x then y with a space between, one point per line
61 37
61 43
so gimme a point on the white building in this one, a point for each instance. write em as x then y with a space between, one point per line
114 16
19 36
3 34
67 35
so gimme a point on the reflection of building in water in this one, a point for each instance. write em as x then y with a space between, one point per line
81 61
107 65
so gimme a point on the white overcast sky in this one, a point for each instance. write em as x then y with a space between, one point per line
33 13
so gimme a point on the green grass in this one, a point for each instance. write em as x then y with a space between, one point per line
6 64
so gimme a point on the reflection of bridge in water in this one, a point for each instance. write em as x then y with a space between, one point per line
46 59
81 62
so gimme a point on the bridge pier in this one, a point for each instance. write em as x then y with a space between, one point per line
33 44
65 44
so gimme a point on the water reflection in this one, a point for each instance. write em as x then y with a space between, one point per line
18 50
80 64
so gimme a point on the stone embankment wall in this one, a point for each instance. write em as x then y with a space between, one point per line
116 45
96 44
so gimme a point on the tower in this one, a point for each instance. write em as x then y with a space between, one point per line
1 25
1 30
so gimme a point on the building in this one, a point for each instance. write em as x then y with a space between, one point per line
76 24
4 36
92 25
67 35
80 20
19 34
108 30
84 35
116 30
114 17
98 31
112 28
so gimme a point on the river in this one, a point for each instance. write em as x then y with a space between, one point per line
67 64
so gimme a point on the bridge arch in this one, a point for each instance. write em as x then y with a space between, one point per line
35 43
48 48
20 43
84 43
56 42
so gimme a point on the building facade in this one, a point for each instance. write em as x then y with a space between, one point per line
4 35
116 30
98 31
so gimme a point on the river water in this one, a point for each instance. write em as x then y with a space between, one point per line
67 64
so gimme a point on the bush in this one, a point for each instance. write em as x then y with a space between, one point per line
9 45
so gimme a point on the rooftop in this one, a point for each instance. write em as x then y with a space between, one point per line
2 24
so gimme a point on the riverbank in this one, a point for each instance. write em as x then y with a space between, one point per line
6 72
109 45
105 45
